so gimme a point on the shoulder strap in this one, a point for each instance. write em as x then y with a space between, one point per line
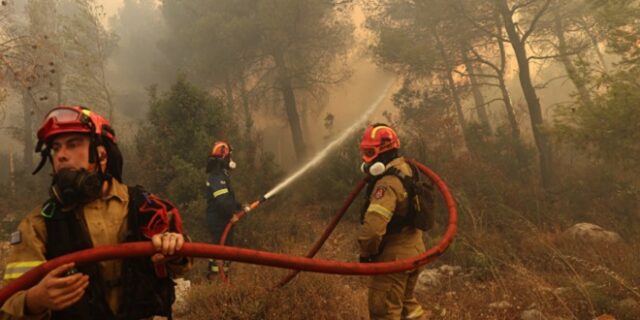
67 233
145 293
136 199
408 183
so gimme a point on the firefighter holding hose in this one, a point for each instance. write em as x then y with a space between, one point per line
221 200
398 208
90 206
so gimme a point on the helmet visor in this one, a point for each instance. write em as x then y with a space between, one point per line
63 115
61 120
368 154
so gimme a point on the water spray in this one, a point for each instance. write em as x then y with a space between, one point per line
332 145
314 161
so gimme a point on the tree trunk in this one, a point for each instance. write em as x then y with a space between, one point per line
517 143
508 106
478 99
249 143
27 126
596 47
304 122
572 71
453 91
535 110
12 173
228 91
293 117
58 84
248 120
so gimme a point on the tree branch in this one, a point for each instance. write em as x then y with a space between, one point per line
478 26
535 20
517 7
479 75
544 85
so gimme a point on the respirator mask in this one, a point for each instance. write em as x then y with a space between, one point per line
74 187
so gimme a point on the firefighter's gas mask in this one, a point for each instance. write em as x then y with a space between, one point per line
231 164
375 169
75 187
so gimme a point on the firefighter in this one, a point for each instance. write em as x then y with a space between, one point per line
89 206
388 232
221 200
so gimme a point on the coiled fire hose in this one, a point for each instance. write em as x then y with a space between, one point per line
334 222
201 250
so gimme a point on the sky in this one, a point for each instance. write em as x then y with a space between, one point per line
111 6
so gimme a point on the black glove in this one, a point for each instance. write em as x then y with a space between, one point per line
367 259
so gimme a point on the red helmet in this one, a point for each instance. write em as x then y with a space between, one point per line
378 138
68 119
220 150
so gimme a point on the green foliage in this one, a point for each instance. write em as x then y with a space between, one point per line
419 38
610 131
173 144
618 21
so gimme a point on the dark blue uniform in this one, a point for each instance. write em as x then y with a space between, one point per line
221 205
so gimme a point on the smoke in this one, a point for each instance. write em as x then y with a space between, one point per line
322 154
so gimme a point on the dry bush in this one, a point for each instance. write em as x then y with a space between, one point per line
251 294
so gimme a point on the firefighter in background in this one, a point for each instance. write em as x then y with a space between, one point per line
391 228
90 206
221 200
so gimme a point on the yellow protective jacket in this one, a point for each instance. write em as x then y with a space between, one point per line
106 220
389 198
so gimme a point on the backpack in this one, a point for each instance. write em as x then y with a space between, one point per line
421 204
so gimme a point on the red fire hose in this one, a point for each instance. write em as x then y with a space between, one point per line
200 250
317 245
338 216
327 232
236 217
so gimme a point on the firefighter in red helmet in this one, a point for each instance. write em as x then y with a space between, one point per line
221 200
89 206
388 230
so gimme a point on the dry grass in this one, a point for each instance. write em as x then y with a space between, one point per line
308 296
505 255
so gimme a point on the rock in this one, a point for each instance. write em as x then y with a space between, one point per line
500 305
9 218
532 314
432 278
182 290
429 278
448 270
591 233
